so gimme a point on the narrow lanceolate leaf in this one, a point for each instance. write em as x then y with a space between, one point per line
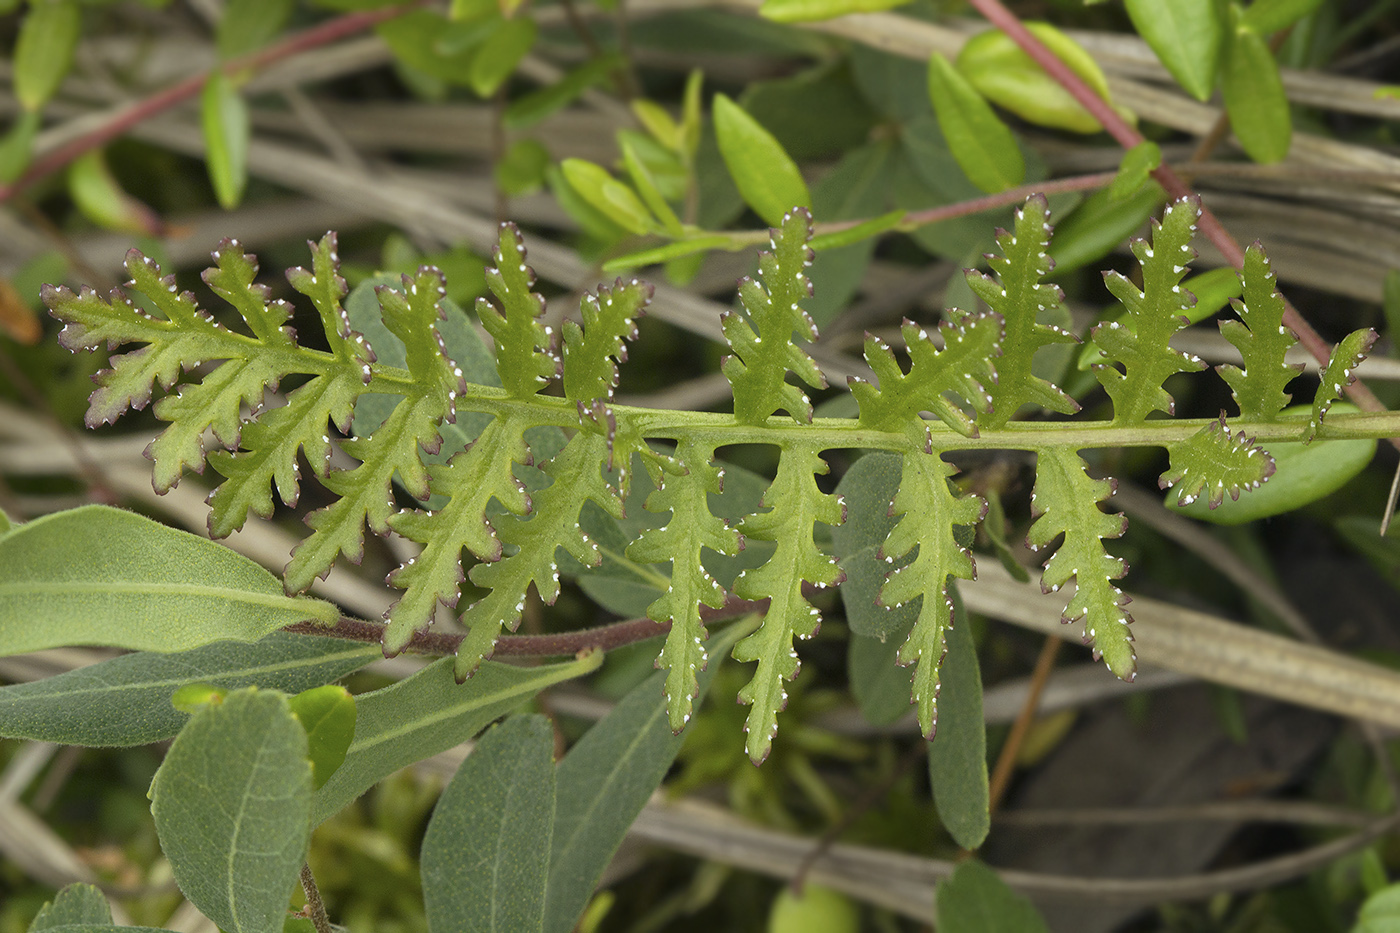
524 355
764 173
235 824
1137 342
691 529
763 345
471 479
957 759
576 472
984 146
126 701
1254 97
795 504
1213 463
227 136
101 576
929 511
1339 374
48 37
802 11
1066 501
1020 297
393 449
1187 36
963 367
428 713
1263 340
592 352
1137 164
610 197
486 851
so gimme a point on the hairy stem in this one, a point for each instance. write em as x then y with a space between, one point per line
315 907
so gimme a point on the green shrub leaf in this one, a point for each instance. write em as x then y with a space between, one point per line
249 24
48 38
1269 16
764 173
495 60
957 757
74 904
428 713
1134 169
235 824
498 811
806 11
1255 99
327 713
1096 227
1187 36
984 146
974 900
126 701
100 197
1002 71
96 575
227 136
612 198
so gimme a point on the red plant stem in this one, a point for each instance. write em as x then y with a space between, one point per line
563 644
1002 18
141 110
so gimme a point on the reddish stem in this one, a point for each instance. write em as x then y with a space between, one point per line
141 110
1002 18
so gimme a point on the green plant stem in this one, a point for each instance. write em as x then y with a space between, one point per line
1128 137
315 37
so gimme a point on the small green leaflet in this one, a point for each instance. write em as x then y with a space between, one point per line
1021 298
763 345
1214 462
609 196
524 355
1065 499
795 504
1263 341
1338 375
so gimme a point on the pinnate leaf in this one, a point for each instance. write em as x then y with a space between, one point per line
1214 462
1262 339
963 367
929 511
524 355
1138 340
1020 297
795 504
681 541
1339 374
1066 502
763 345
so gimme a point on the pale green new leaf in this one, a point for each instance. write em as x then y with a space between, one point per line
471 479
97 575
982 144
44 49
1137 342
929 511
235 824
126 700
327 713
963 367
576 472
803 11
681 541
1347 355
228 134
1066 500
610 197
524 355
592 352
1006 74
485 858
74 904
1020 296
763 344
428 713
1263 340
764 173
1214 462
795 504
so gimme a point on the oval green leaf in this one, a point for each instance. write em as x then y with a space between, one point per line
101 198
607 195
806 11
974 900
249 24
1269 16
1254 98
97 575
817 909
1133 170
327 713
17 146
48 37
957 756
500 805
1099 224
1187 36
1303 473
495 60
231 803
984 146
1006 75
227 133
767 178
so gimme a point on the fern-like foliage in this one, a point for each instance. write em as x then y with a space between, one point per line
764 351
1138 342
1021 298
502 524
1066 499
